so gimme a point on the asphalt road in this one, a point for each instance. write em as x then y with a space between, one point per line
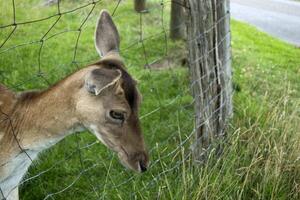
279 18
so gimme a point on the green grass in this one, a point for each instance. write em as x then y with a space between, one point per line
261 156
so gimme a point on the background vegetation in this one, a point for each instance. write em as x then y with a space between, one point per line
261 156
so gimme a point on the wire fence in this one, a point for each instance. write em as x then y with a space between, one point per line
79 167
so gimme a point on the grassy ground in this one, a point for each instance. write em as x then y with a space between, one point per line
261 156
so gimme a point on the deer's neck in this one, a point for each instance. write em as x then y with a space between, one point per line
34 122
49 116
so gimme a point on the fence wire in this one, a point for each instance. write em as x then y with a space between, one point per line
81 174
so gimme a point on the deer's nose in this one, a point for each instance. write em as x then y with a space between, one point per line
143 166
143 161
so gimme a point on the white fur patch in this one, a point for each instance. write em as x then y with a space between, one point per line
18 167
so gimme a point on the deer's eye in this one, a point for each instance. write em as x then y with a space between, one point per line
117 116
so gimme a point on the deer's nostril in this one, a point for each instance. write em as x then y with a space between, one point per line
143 166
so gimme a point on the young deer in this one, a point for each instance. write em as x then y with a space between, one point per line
102 98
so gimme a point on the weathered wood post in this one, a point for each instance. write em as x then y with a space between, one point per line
140 5
208 29
177 24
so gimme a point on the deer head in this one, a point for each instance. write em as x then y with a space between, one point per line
108 102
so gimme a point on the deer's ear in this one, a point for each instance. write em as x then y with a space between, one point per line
106 35
98 80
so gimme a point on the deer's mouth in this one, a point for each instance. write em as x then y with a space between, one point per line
137 162
127 164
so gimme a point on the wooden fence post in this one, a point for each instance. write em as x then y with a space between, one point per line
177 24
140 5
208 29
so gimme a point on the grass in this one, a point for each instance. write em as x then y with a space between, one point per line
261 156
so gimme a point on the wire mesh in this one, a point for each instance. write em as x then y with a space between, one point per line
81 167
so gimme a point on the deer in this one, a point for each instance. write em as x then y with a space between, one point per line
101 98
